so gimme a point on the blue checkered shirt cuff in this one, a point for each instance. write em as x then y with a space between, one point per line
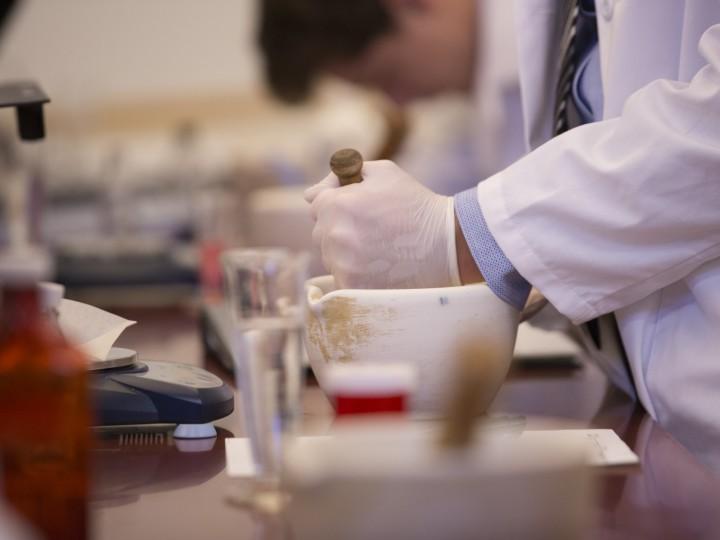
496 268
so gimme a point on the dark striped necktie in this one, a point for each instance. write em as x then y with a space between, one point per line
568 66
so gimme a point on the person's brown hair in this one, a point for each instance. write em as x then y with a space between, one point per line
299 38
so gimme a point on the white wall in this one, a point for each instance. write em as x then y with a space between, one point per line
90 51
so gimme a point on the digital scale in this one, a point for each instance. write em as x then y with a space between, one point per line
127 391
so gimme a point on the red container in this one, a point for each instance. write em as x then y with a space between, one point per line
359 389
346 405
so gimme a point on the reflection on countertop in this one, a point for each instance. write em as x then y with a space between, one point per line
130 462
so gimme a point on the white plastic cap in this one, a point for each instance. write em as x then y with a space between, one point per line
50 295
369 379
25 266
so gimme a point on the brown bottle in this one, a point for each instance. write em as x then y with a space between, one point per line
44 418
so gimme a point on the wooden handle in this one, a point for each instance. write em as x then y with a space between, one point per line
347 166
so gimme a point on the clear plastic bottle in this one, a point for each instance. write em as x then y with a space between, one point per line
44 409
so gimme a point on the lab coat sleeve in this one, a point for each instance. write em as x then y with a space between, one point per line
607 213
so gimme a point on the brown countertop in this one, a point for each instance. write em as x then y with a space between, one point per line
146 487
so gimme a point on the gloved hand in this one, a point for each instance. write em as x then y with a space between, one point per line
386 232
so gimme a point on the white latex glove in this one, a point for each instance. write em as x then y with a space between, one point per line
386 232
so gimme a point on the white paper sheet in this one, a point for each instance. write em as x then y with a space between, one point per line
605 447
536 343
238 455
90 328
238 458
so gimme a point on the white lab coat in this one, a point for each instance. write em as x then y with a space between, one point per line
623 215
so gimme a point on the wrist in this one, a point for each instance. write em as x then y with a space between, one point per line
450 227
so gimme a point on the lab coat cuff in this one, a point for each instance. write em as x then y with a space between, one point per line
501 276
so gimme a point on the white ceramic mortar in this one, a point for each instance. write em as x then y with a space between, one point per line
423 327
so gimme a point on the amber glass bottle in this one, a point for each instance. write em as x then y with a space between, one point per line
44 418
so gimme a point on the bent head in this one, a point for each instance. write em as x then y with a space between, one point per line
405 48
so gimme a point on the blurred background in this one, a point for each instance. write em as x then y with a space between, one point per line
165 147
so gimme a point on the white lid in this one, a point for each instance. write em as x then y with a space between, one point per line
51 294
25 265
369 379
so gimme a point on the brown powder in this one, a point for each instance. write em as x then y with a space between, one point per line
343 325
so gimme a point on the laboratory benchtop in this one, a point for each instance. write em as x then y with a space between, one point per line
145 487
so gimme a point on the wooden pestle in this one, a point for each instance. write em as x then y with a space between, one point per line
347 165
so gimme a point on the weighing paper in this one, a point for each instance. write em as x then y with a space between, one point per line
238 457
604 445
536 343
91 329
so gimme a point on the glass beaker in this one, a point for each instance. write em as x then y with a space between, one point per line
264 289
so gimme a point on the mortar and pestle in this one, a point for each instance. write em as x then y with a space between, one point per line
452 336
